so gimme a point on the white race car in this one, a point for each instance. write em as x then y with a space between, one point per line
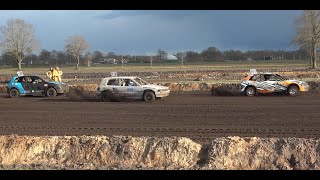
116 88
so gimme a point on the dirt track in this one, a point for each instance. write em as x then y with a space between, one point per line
199 117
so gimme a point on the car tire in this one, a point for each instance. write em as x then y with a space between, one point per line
293 90
51 92
14 93
105 96
148 96
250 91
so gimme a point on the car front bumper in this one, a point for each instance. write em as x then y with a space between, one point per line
63 89
162 93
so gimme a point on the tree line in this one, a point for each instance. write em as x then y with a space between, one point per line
211 54
18 44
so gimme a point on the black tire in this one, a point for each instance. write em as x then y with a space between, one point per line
51 92
105 96
148 96
293 90
250 91
14 93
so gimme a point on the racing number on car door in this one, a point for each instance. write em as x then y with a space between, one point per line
263 84
273 80
38 85
132 89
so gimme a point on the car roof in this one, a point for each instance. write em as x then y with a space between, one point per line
27 76
268 73
14 77
121 77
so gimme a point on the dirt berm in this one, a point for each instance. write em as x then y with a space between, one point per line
120 152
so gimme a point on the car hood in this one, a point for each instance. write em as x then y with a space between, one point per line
56 83
296 81
154 86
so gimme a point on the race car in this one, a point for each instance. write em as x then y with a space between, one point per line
35 86
116 88
263 83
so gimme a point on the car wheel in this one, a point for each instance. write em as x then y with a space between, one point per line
51 92
250 91
105 97
293 91
149 96
14 93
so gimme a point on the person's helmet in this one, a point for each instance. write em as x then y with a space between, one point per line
57 68
51 68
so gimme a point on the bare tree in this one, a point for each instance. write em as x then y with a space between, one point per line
308 33
76 45
17 38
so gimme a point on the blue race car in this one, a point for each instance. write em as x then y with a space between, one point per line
35 86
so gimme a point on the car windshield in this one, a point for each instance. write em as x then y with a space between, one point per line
141 81
45 78
282 77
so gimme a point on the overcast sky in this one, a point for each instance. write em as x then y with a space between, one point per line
144 32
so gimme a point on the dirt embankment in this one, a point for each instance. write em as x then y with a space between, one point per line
120 152
91 152
220 75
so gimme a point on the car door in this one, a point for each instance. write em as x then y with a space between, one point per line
38 85
117 87
132 89
275 81
26 83
123 90
263 85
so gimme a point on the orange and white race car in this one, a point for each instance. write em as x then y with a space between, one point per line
263 83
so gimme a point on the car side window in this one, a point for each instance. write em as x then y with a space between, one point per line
129 82
122 82
23 79
17 80
267 77
254 78
257 78
273 78
111 82
40 80
36 80
116 82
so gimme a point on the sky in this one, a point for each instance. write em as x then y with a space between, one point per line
143 32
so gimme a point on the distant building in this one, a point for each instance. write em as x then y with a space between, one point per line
267 58
171 57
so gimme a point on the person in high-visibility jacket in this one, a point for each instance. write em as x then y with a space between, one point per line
55 74
50 73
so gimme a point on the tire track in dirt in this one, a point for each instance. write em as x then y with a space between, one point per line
199 117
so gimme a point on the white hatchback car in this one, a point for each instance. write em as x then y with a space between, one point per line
116 88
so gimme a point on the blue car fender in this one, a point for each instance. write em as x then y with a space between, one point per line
16 85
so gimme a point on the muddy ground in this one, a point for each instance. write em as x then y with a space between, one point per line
200 117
